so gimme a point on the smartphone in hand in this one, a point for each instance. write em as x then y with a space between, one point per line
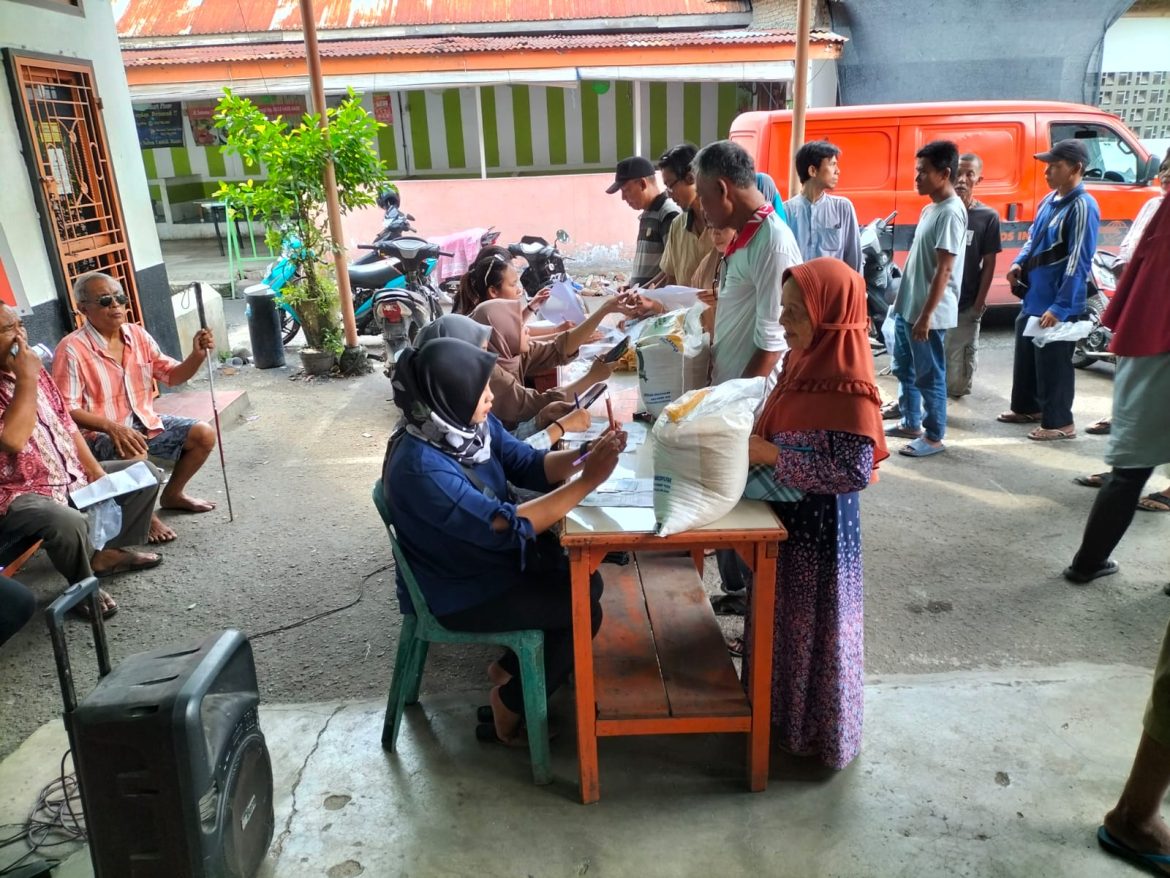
592 395
615 353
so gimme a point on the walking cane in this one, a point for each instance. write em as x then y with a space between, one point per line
214 407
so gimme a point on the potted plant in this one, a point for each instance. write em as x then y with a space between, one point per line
290 198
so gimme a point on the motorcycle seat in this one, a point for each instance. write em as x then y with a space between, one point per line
412 251
373 275
528 249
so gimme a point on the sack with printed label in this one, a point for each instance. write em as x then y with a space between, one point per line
700 449
674 356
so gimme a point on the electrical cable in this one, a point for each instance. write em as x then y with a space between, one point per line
53 821
323 614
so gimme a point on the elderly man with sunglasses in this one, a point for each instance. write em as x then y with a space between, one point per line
105 371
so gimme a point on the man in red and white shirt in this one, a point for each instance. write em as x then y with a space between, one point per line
43 457
106 370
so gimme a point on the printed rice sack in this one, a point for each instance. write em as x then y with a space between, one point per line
700 453
674 356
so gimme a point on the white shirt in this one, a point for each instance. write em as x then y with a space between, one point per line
747 318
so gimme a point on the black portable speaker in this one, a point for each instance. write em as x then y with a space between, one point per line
174 771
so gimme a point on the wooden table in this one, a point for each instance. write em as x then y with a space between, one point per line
674 674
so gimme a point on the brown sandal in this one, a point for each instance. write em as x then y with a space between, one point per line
1051 434
1010 417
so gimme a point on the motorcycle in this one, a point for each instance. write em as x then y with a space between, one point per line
366 278
401 310
882 276
546 264
1103 279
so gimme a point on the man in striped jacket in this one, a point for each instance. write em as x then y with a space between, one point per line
1051 275
106 370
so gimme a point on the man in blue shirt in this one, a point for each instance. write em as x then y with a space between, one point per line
1052 273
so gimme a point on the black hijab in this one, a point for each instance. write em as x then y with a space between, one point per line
438 388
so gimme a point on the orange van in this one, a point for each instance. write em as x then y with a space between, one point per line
878 143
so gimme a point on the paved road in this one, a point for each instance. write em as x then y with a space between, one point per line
963 555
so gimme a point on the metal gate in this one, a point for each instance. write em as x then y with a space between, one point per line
59 115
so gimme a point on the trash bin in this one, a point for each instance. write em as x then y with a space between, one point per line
264 327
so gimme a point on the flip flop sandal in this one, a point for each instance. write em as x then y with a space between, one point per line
1152 862
1076 576
891 410
728 605
1047 434
1157 497
903 432
138 561
84 610
921 448
1016 418
1102 427
1096 480
735 647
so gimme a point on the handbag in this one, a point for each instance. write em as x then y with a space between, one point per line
762 485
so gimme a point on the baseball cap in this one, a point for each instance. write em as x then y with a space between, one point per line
633 168
1070 150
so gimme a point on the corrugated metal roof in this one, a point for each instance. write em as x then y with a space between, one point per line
147 57
163 18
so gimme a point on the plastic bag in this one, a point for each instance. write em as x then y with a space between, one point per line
1067 330
700 448
674 356
105 522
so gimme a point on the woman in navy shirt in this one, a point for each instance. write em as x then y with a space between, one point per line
476 554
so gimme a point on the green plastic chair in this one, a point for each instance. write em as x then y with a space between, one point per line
422 629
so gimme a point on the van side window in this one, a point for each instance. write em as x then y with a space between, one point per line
1111 159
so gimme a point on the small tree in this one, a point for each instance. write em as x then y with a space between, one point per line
291 198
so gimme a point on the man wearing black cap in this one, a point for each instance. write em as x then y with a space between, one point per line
1051 275
638 183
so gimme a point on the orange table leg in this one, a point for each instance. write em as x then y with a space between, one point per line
761 636
580 567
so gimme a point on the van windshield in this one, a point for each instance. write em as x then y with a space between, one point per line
1111 158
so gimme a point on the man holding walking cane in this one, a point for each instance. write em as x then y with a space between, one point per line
105 372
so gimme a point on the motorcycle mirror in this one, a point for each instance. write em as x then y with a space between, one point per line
562 235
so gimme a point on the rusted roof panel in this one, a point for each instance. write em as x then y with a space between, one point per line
148 57
166 18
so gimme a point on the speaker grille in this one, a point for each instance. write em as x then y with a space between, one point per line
248 819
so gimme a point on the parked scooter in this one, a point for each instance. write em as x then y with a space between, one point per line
1103 279
402 310
546 264
882 276
365 280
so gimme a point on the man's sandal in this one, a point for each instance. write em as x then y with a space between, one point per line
1017 418
1102 427
1047 434
1155 502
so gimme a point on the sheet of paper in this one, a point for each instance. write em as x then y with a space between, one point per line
114 485
1032 328
673 296
637 493
563 304
596 428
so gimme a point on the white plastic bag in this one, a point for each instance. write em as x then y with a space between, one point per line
674 356
700 447
1066 330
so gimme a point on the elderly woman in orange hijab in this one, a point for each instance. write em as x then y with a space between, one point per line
819 438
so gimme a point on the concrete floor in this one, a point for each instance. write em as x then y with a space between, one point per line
971 774
995 689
